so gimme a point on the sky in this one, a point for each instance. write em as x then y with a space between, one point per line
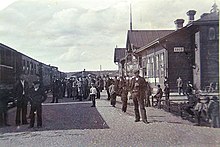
75 35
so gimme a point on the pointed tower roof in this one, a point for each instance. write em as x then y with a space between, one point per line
214 8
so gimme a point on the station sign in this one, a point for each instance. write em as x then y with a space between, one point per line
178 49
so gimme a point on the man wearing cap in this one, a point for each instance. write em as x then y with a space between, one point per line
37 96
138 87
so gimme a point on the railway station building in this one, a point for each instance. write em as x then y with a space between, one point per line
190 52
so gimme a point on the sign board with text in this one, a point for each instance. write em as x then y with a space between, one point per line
178 49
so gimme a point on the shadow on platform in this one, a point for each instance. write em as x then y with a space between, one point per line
79 115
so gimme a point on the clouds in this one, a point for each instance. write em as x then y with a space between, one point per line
74 36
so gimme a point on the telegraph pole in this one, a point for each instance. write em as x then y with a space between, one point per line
100 70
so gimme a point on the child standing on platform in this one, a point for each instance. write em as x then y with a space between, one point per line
93 93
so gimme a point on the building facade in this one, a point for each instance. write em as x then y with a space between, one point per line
190 52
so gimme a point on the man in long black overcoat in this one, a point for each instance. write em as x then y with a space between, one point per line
21 94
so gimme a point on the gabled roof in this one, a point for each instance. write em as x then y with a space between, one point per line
119 54
140 38
206 18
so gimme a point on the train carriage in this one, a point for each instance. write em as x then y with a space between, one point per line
8 68
46 75
13 64
30 68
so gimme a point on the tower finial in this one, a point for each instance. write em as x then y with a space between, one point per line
214 8
130 18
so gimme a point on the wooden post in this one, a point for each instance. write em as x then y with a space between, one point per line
180 109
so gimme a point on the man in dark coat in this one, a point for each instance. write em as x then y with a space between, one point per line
21 94
148 94
37 96
56 90
138 87
158 96
4 98
167 94
108 83
123 92
85 87
63 85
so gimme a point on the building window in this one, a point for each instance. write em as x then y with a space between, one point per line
211 33
145 72
140 62
23 66
150 67
162 65
157 65
31 68
28 67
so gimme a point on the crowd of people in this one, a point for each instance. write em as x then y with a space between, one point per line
141 91
89 88
76 87
208 109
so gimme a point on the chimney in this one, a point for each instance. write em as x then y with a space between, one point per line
179 23
191 14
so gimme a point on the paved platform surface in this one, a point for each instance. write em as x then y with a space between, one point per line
72 123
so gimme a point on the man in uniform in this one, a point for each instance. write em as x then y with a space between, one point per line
138 87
